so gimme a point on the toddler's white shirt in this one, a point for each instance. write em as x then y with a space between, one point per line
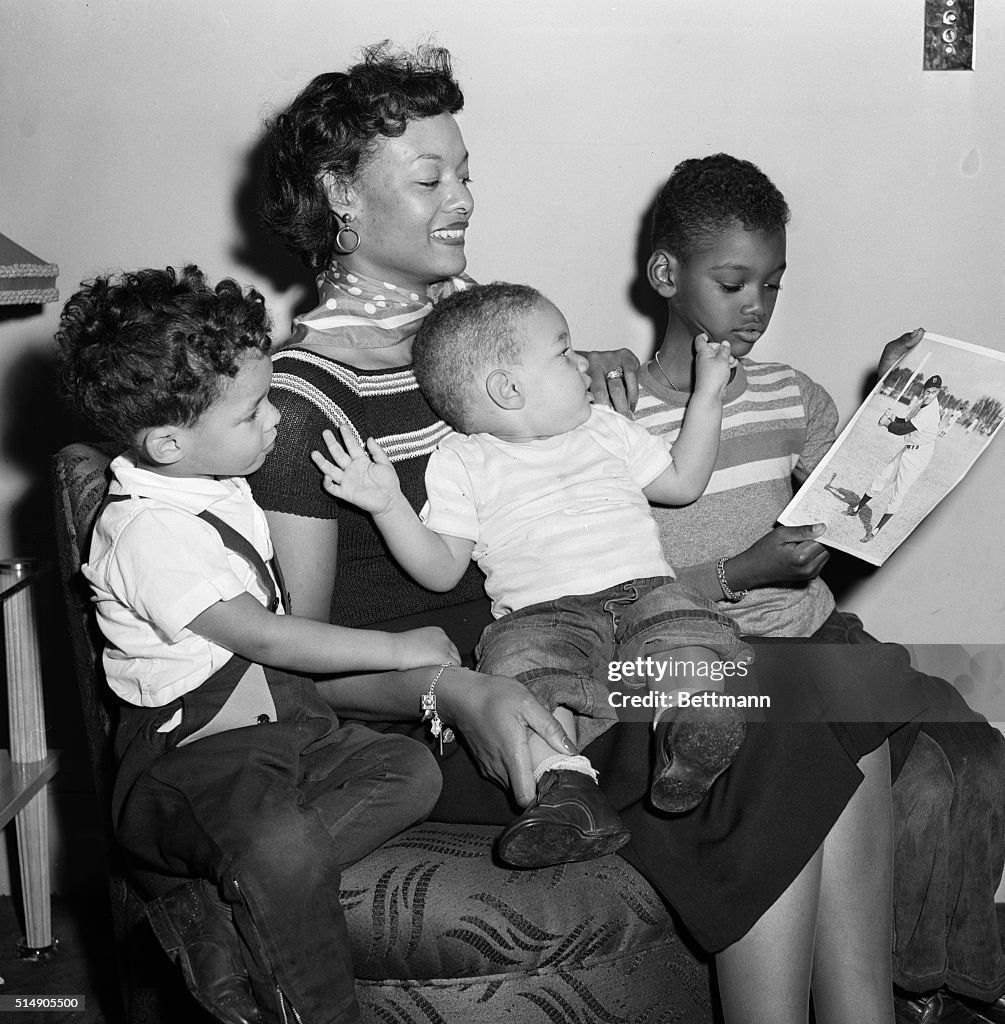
154 566
560 516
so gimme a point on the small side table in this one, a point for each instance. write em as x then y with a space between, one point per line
26 770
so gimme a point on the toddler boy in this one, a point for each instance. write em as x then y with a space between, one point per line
234 777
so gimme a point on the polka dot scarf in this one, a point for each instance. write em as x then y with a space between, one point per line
359 312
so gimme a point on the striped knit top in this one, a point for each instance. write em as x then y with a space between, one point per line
776 425
314 392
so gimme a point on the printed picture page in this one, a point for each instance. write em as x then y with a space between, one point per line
909 444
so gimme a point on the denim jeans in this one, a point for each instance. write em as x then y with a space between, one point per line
949 835
560 650
270 813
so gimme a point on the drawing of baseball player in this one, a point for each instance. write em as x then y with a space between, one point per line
921 428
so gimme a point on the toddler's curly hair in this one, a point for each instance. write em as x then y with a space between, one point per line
152 348
706 196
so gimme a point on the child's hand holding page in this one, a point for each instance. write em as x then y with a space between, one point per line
368 481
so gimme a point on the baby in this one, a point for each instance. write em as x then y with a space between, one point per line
550 496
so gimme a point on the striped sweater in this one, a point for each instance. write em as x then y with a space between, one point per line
777 424
314 392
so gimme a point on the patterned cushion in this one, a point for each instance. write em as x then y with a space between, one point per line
441 932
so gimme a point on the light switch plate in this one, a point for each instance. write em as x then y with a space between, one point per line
949 35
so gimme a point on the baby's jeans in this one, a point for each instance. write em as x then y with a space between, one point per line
562 650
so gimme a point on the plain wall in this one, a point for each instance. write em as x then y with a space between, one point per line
126 131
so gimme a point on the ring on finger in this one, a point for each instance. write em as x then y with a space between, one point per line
617 374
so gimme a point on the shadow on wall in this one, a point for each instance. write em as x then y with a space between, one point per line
260 251
642 297
37 423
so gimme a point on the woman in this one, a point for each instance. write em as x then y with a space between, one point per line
784 870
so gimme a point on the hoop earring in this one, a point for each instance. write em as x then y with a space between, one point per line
345 248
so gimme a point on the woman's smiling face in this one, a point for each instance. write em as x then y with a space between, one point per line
411 205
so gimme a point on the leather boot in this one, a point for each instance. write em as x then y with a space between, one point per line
693 748
570 819
199 934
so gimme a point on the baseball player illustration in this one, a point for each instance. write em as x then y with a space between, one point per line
921 427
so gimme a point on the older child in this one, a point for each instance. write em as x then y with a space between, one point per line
718 255
232 774
550 497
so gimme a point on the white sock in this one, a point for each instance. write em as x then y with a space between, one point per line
565 762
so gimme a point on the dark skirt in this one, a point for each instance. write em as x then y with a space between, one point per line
721 866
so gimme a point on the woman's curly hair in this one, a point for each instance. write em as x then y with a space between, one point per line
154 348
705 196
332 127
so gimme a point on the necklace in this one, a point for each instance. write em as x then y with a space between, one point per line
665 374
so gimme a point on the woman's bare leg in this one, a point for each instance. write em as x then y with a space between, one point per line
764 978
852 973
832 925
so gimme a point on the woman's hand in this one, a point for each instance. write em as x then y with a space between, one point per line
894 350
369 482
495 715
428 645
788 554
618 390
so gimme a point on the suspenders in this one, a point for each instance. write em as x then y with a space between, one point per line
240 545
238 694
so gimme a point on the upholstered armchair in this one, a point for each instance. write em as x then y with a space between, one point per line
440 931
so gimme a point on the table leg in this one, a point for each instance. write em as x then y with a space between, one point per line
28 744
32 824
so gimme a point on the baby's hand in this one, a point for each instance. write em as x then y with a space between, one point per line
367 481
426 646
713 365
